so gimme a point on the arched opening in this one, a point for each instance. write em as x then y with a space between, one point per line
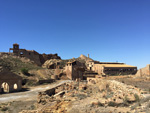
15 87
5 87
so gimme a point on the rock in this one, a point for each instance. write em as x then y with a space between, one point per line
54 77
83 87
102 101
51 64
131 98
119 101
95 103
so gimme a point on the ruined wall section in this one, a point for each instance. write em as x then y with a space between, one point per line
38 59
74 70
144 71
69 71
11 79
32 55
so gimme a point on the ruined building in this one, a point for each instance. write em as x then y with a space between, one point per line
10 82
38 59
75 70
111 68
92 69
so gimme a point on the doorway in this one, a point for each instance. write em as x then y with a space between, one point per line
5 87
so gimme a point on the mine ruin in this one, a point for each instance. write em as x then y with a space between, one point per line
85 83
10 82
33 55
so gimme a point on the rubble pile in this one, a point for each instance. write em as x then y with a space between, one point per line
114 93
84 96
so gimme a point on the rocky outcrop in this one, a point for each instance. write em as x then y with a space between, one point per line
45 57
51 64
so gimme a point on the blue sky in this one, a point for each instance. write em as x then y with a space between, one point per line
109 30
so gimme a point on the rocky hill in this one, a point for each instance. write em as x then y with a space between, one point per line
24 67
15 63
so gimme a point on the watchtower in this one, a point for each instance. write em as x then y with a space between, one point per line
15 48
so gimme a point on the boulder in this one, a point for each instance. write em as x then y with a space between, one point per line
131 98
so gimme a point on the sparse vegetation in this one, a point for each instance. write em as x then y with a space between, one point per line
31 83
125 101
32 107
15 64
137 99
109 95
81 96
4 108
113 104
25 71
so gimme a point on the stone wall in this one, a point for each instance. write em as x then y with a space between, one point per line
144 71
13 81
74 70
46 81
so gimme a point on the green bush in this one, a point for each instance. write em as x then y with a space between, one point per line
31 83
125 101
25 71
137 99
81 96
113 104
4 109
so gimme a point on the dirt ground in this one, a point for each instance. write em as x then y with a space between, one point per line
16 102
17 106
26 100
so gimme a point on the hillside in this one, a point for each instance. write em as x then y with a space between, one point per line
22 66
15 64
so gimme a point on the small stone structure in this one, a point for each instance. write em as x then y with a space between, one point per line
39 59
10 82
74 70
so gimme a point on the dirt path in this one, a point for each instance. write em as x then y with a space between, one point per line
28 95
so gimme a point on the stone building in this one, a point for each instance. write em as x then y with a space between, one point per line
10 82
38 59
74 70
111 68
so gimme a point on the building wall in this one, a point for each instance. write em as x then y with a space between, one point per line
73 71
120 71
32 55
100 69
144 71
11 79
90 65
11 84
76 73
68 70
